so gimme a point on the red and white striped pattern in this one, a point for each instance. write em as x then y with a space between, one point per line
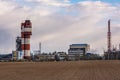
26 32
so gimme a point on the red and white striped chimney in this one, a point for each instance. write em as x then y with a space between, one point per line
26 32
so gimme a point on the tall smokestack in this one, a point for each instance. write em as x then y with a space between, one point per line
26 32
109 37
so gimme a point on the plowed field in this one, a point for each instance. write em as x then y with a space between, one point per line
72 70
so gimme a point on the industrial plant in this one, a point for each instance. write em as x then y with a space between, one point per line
111 53
75 51
23 43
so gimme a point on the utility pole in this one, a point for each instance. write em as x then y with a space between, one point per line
40 48
119 47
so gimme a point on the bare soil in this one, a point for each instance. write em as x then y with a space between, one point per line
72 70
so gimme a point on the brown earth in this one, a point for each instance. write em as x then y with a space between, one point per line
73 70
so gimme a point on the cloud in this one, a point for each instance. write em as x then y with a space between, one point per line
58 23
5 7
56 3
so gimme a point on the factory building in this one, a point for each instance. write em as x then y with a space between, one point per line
14 55
6 57
60 56
114 54
26 32
17 54
19 49
77 51
55 56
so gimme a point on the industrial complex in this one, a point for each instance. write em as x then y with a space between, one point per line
75 51
111 53
23 42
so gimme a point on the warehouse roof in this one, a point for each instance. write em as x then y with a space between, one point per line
79 45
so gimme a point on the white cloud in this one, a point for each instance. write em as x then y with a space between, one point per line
5 7
52 2
59 23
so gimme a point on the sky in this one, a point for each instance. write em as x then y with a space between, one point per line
59 23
